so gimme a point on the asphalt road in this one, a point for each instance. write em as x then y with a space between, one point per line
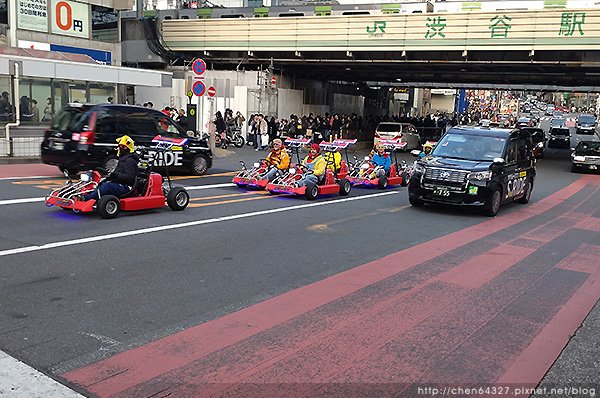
243 286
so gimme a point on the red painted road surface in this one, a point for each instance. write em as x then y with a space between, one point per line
492 304
26 170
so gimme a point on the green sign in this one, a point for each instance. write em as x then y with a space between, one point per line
190 94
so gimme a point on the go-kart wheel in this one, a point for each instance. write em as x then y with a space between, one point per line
110 163
109 206
178 198
345 187
312 191
199 165
405 178
383 182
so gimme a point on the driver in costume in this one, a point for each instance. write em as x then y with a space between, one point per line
278 158
382 159
121 179
315 165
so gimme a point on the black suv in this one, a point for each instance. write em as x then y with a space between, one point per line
475 166
83 137
560 137
586 124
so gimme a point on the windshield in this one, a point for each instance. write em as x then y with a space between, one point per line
70 119
587 119
389 128
588 148
557 122
470 147
559 132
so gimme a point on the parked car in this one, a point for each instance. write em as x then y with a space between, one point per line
586 156
83 136
405 132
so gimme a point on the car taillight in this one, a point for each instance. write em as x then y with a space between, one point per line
87 137
377 135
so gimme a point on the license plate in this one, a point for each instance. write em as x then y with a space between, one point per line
58 146
440 191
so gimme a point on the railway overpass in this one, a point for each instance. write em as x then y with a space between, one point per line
544 49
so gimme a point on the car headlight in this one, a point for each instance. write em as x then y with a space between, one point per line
419 169
292 171
364 166
85 177
579 158
481 175
540 145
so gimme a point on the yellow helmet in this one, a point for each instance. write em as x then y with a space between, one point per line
427 147
125 141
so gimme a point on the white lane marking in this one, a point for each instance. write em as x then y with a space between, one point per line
189 188
16 201
195 187
22 381
72 242
27 178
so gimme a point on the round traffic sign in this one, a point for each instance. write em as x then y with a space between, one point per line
212 91
199 66
198 88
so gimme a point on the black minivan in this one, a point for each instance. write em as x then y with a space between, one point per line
475 166
83 136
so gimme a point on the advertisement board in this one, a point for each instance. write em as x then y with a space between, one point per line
33 15
70 18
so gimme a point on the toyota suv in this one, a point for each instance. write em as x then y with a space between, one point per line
586 124
477 167
83 136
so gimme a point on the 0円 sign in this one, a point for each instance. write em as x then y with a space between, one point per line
33 15
70 18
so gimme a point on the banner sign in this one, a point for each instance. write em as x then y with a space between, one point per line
33 15
70 18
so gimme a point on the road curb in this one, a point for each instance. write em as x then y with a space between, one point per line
20 159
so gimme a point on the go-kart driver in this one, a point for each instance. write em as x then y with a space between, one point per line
315 166
120 181
278 158
381 158
427 147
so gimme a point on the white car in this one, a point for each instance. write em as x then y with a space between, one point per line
405 132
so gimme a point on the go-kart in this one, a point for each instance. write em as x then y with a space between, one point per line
147 192
365 172
330 182
256 176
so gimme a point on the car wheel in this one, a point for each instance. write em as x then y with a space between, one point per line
414 201
109 206
574 169
527 195
178 198
383 182
239 141
493 205
312 191
199 165
345 187
110 163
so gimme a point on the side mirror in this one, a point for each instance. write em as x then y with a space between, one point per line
415 152
498 161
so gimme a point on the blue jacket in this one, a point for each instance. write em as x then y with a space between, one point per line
384 161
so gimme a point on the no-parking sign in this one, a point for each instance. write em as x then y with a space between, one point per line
199 67
199 88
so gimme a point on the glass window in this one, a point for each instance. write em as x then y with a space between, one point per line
77 92
6 106
33 100
167 128
100 94
511 155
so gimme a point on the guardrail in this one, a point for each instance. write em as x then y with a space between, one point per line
499 30
21 147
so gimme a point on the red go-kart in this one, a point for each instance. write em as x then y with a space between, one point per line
330 183
147 192
254 177
365 172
